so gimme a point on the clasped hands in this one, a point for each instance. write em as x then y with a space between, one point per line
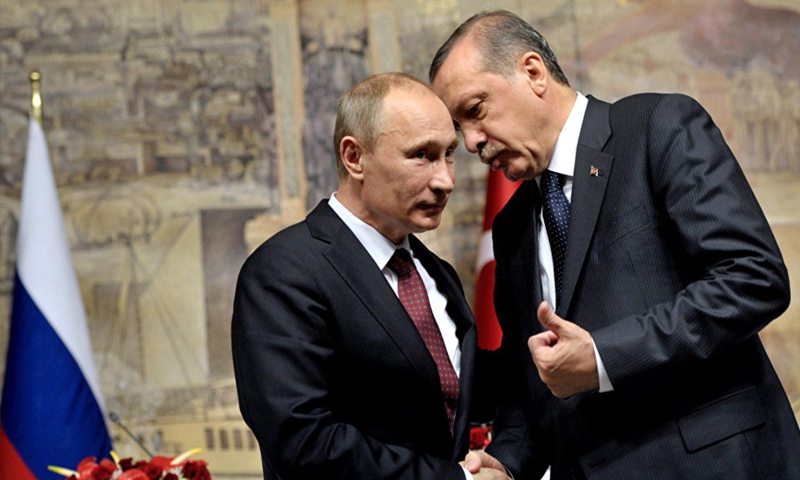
483 466
564 357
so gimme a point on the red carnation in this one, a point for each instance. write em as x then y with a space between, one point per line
161 461
89 469
133 474
153 471
86 464
196 470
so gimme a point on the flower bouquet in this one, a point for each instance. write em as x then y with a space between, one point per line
157 468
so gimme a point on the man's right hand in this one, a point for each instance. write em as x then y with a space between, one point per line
483 466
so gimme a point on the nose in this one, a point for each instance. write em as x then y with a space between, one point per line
444 177
474 139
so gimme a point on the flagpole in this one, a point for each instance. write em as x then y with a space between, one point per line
36 95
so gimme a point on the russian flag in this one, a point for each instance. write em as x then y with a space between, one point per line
51 412
498 191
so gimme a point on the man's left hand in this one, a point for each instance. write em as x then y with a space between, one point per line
563 354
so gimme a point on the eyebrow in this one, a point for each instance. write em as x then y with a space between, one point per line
428 143
466 102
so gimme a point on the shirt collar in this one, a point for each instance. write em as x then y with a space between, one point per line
379 247
563 160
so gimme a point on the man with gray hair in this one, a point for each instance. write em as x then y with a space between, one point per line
634 271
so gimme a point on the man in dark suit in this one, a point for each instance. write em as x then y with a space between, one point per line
353 345
659 261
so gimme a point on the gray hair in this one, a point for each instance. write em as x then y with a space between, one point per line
502 37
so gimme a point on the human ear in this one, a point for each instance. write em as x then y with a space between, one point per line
351 153
535 71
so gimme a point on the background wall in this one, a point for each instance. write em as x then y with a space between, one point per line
185 132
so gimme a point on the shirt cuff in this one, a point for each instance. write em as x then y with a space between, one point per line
602 375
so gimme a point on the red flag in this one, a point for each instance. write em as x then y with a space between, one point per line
498 191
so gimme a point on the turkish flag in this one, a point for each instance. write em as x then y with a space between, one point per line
498 190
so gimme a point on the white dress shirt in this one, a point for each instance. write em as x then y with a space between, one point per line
563 162
381 250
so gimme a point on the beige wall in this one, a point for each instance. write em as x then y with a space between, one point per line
184 132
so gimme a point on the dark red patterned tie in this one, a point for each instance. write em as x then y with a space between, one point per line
414 298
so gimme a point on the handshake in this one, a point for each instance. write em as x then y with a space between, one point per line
564 358
483 466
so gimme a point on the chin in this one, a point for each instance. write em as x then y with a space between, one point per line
427 224
520 174
516 169
510 176
513 175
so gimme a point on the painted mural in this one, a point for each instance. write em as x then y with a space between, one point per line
184 133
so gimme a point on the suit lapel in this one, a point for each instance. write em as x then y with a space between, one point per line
352 262
592 169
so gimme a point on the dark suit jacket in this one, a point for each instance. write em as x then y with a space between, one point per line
673 269
332 376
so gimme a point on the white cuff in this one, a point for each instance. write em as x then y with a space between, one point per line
467 475
602 375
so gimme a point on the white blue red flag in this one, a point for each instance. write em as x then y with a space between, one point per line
51 412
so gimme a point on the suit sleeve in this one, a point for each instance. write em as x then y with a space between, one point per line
282 351
739 282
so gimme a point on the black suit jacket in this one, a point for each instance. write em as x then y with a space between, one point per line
332 376
673 269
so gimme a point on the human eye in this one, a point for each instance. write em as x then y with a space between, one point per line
420 155
449 154
475 109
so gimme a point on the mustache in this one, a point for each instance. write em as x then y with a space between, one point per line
488 152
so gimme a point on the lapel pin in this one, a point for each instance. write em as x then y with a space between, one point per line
594 171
